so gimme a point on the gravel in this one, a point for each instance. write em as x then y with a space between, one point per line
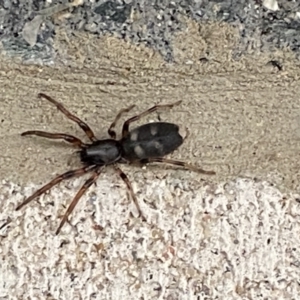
152 23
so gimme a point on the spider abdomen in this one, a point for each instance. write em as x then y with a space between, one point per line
151 140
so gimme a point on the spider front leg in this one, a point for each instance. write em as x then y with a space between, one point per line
185 165
56 136
125 129
55 181
85 127
80 193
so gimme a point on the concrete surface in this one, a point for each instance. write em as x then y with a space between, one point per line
231 236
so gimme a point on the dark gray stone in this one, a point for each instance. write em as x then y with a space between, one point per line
158 21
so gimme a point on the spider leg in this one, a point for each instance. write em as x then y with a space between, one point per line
88 131
79 194
57 136
111 130
125 129
185 165
129 186
56 180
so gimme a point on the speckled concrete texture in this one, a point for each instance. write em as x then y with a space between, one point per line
227 241
28 28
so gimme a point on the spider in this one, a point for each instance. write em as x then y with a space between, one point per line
148 143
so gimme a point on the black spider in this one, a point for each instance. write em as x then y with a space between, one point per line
145 144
